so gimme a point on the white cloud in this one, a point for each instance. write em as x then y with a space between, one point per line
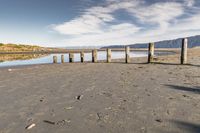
93 20
86 24
158 13
161 20
189 3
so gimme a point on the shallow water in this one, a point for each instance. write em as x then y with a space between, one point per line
47 59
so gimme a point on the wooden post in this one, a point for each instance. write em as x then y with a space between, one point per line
82 56
55 59
127 54
62 59
71 57
184 51
108 55
151 53
94 56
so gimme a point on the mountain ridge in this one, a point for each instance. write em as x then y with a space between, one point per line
193 41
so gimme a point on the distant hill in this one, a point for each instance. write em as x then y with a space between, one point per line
18 47
193 41
24 48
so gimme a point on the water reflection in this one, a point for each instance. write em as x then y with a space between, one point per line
30 59
14 57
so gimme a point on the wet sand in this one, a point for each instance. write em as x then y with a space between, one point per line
162 97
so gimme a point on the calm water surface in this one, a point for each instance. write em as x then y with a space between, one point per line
47 59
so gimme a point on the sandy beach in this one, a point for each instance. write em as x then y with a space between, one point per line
162 97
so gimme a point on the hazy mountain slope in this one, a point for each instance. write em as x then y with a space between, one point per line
194 41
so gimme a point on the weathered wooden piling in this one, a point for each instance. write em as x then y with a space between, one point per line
108 55
82 56
62 59
127 54
55 60
151 53
71 57
94 56
184 51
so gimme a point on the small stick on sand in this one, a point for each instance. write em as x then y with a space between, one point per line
30 126
49 122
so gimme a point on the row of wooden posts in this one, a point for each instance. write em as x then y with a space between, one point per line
127 56
94 56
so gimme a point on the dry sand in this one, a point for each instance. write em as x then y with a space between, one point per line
102 98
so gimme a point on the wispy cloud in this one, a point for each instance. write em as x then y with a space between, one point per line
189 3
98 25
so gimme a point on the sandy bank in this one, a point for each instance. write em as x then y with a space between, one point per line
94 98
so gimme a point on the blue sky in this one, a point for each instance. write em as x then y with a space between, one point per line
96 22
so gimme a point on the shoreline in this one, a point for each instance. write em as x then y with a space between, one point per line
157 54
88 51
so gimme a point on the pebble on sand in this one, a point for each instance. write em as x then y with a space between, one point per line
79 97
159 120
